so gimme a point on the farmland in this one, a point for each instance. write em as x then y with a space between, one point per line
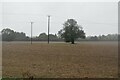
54 60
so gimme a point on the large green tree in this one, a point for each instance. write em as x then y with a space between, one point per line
71 31
8 34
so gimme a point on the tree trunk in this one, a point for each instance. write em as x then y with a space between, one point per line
72 42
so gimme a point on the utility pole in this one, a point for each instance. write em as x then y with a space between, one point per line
31 30
48 27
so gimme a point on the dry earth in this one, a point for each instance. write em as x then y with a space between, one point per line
54 60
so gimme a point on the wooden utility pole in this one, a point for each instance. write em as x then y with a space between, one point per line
48 27
31 30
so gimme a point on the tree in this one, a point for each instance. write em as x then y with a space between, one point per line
53 37
94 38
43 36
20 36
8 34
71 31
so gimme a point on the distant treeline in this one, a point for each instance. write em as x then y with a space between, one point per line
109 37
11 35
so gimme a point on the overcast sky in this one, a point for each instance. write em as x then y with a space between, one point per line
96 18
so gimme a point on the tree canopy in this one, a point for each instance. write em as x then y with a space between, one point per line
7 34
71 31
10 35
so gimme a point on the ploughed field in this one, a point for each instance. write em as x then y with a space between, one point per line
54 60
